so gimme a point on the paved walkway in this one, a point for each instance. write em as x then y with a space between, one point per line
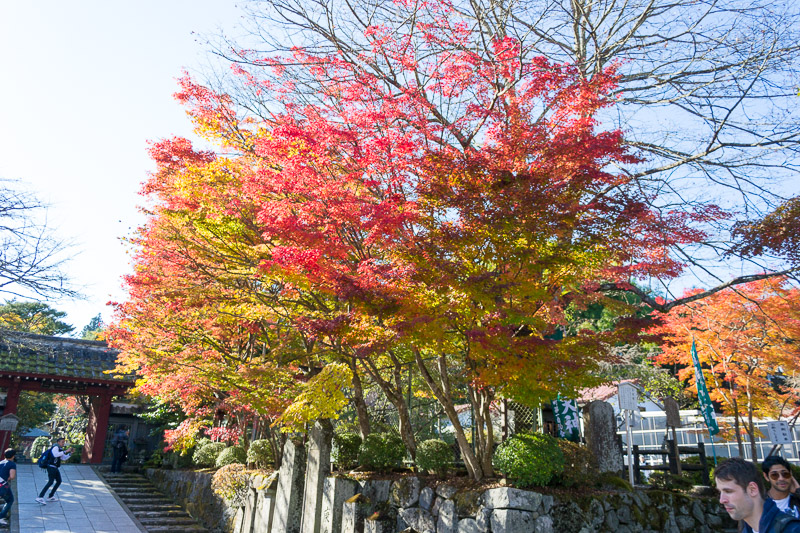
86 505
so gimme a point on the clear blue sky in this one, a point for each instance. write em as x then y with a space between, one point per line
83 86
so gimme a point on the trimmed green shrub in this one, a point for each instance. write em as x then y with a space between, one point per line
580 465
156 460
435 456
40 444
609 480
207 455
75 458
381 451
531 460
345 449
180 460
231 482
667 481
231 455
259 454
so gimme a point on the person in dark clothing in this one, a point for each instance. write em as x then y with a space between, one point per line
8 471
119 443
53 473
742 494
783 486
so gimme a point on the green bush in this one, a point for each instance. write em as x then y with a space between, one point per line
230 456
381 451
667 481
75 458
435 456
345 449
180 460
231 482
580 465
259 454
531 460
207 454
156 460
38 447
610 480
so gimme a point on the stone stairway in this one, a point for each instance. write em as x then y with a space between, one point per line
156 512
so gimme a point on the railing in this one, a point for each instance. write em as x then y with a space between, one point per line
674 464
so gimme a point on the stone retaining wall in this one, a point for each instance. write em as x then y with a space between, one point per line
380 506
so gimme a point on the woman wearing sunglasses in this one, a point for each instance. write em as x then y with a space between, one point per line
783 486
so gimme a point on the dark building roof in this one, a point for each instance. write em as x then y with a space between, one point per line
29 354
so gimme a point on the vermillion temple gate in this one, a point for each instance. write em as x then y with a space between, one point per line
65 366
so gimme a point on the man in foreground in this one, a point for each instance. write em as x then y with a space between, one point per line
742 494
783 486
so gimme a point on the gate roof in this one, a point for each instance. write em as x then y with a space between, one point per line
26 354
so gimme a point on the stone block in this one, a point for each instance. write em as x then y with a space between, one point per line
483 518
685 523
447 521
467 502
379 525
354 513
612 521
468 525
289 496
510 498
697 512
418 519
377 491
435 507
547 503
512 521
446 491
336 491
426 497
405 492
544 524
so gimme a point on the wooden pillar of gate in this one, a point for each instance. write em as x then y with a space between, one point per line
99 412
12 401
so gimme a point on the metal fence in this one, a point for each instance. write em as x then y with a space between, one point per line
652 431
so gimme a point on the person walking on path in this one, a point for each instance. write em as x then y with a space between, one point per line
120 448
8 471
53 474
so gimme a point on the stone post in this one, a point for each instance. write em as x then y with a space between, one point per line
265 504
249 511
336 491
601 436
354 511
317 469
289 497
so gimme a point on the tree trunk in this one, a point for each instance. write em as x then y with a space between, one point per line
358 400
737 427
394 393
441 390
751 429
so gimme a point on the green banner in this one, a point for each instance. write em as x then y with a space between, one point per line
566 415
702 395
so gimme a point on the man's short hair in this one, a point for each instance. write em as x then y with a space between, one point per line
742 472
59 439
773 460
10 453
